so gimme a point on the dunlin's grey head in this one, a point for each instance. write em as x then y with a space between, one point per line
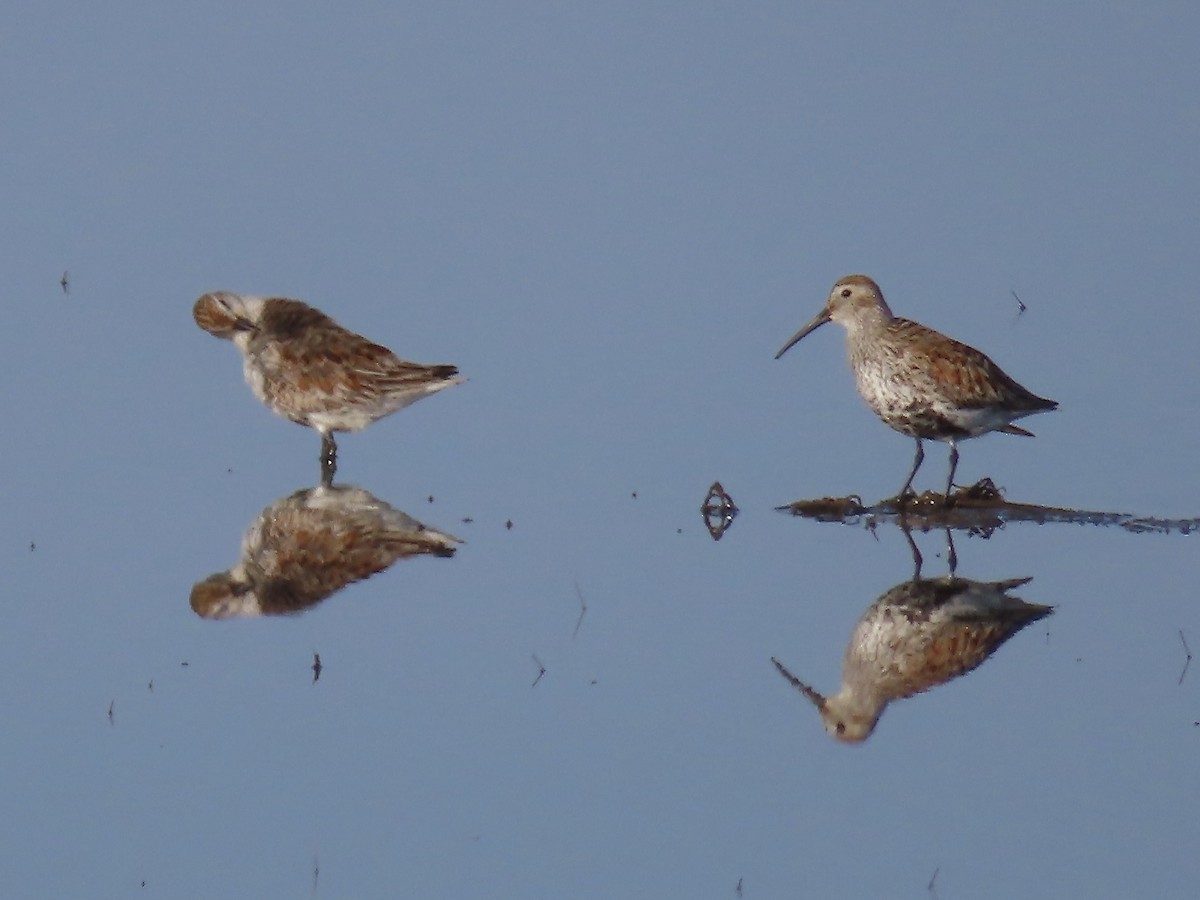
854 300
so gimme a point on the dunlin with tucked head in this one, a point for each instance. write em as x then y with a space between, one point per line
309 369
918 381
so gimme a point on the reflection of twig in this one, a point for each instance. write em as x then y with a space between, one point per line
110 711
316 873
582 610
1187 662
316 666
929 887
541 669
739 887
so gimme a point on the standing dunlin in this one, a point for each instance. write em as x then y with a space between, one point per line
309 369
919 381
920 634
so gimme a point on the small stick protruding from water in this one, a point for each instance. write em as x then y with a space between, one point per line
1021 307
582 610
929 887
316 666
1187 662
541 669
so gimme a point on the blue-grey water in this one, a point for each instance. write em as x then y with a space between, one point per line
610 219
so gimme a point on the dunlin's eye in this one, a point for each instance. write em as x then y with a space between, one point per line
845 292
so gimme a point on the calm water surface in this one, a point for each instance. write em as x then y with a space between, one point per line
609 219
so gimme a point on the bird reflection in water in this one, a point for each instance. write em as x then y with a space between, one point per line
921 633
306 547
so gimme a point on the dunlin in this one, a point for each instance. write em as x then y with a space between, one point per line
918 635
307 546
309 369
918 381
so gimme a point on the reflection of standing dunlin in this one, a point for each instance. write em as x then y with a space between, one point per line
919 381
307 546
309 369
918 635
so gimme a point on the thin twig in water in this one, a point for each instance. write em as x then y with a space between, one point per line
1187 662
582 610
110 711
1021 307
929 887
541 669
739 887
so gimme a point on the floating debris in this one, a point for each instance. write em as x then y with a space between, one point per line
718 510
980 509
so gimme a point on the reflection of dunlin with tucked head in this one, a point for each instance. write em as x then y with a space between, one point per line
305 547
919 381
309 369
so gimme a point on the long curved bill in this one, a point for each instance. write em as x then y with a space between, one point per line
820 319
818 700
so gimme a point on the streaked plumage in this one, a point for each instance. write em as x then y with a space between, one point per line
919 634
917 380
307 368
307 546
